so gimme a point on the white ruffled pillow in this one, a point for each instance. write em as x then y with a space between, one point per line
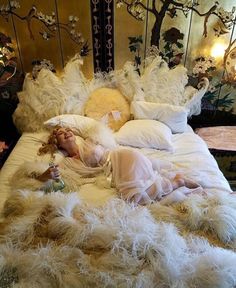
175 117
145 134
85 127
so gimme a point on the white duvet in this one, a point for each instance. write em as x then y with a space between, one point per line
191 156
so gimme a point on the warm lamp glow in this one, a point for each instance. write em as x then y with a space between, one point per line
218 50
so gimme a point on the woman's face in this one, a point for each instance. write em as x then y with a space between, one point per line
65 137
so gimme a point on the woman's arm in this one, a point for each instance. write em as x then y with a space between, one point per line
51 173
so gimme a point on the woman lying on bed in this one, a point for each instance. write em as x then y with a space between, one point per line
133 175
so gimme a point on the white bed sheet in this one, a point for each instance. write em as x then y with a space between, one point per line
191 155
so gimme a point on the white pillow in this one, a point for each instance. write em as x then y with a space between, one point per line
145 134
175 117
85 127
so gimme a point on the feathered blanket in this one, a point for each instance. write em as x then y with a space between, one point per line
56 240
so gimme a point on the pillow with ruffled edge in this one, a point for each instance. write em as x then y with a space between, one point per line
145 134
175 117
85 127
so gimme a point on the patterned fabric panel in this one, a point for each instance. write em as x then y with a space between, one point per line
102 14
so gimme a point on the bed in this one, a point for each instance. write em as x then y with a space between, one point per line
89 236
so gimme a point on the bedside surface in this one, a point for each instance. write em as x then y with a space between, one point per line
221 142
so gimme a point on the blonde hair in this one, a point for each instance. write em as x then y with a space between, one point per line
51 146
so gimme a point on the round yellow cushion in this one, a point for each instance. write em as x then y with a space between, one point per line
109 104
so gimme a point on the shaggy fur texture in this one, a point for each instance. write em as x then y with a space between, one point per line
40 100
55 240
115 102
164 85
50 95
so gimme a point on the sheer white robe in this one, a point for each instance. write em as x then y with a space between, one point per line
136 178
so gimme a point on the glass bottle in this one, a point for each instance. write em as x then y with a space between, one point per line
53 185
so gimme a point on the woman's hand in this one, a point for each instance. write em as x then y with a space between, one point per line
51 173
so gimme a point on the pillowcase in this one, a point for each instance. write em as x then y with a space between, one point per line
175 117
145 134
85 127
108 105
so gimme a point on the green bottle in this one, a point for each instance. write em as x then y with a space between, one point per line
53 185
58 184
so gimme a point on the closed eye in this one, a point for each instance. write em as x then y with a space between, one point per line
68 130
60 133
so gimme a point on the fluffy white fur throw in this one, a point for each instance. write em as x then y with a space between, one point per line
55 240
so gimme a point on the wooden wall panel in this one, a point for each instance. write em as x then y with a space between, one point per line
200 45
180 22
58 49
80 9
234 37
37 48
126 26
227 89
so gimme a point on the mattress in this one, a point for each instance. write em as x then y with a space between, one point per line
191 156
